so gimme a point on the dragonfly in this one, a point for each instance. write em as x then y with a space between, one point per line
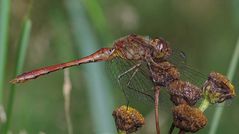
146 66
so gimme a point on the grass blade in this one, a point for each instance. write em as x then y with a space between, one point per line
230 75
101 102
98 19
4 28
23 44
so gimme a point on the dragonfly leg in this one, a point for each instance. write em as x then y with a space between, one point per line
156 104
129 70
132 76
148 95
129 85
130 81
123 74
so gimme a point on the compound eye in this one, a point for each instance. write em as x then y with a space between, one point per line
160 47
112 50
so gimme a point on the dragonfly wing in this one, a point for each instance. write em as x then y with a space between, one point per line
188 73
133 78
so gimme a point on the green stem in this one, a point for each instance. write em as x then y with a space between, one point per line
98 19
4 28
121 132
23 43
230 75
204 105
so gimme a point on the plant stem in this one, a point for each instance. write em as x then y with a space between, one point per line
121 132
67 87
230 75
204 105
98 19
23 43
4 28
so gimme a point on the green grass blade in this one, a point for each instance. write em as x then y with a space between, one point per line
4 28
230 75
101 102
98 19
24 40
23 44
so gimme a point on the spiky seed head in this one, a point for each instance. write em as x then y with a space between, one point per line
128 119
218 88
182 92
188 119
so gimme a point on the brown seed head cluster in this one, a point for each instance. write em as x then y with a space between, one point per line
218 88
182 92
128 119
188 119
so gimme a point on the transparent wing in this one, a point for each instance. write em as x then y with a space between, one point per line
133 78
188 73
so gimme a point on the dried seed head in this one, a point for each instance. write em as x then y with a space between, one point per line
218 88
182 92
164 74
128 119
188 119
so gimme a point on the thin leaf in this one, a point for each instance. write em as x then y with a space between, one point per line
23 44
98 19
4 28
230 75
100 100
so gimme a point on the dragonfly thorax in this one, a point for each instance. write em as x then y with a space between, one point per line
132 47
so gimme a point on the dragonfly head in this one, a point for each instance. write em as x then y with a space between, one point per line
161 48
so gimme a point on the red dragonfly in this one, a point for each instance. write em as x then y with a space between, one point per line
151 58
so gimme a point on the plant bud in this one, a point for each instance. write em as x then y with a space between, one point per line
128 119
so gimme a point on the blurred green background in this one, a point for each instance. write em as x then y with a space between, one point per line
63 30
